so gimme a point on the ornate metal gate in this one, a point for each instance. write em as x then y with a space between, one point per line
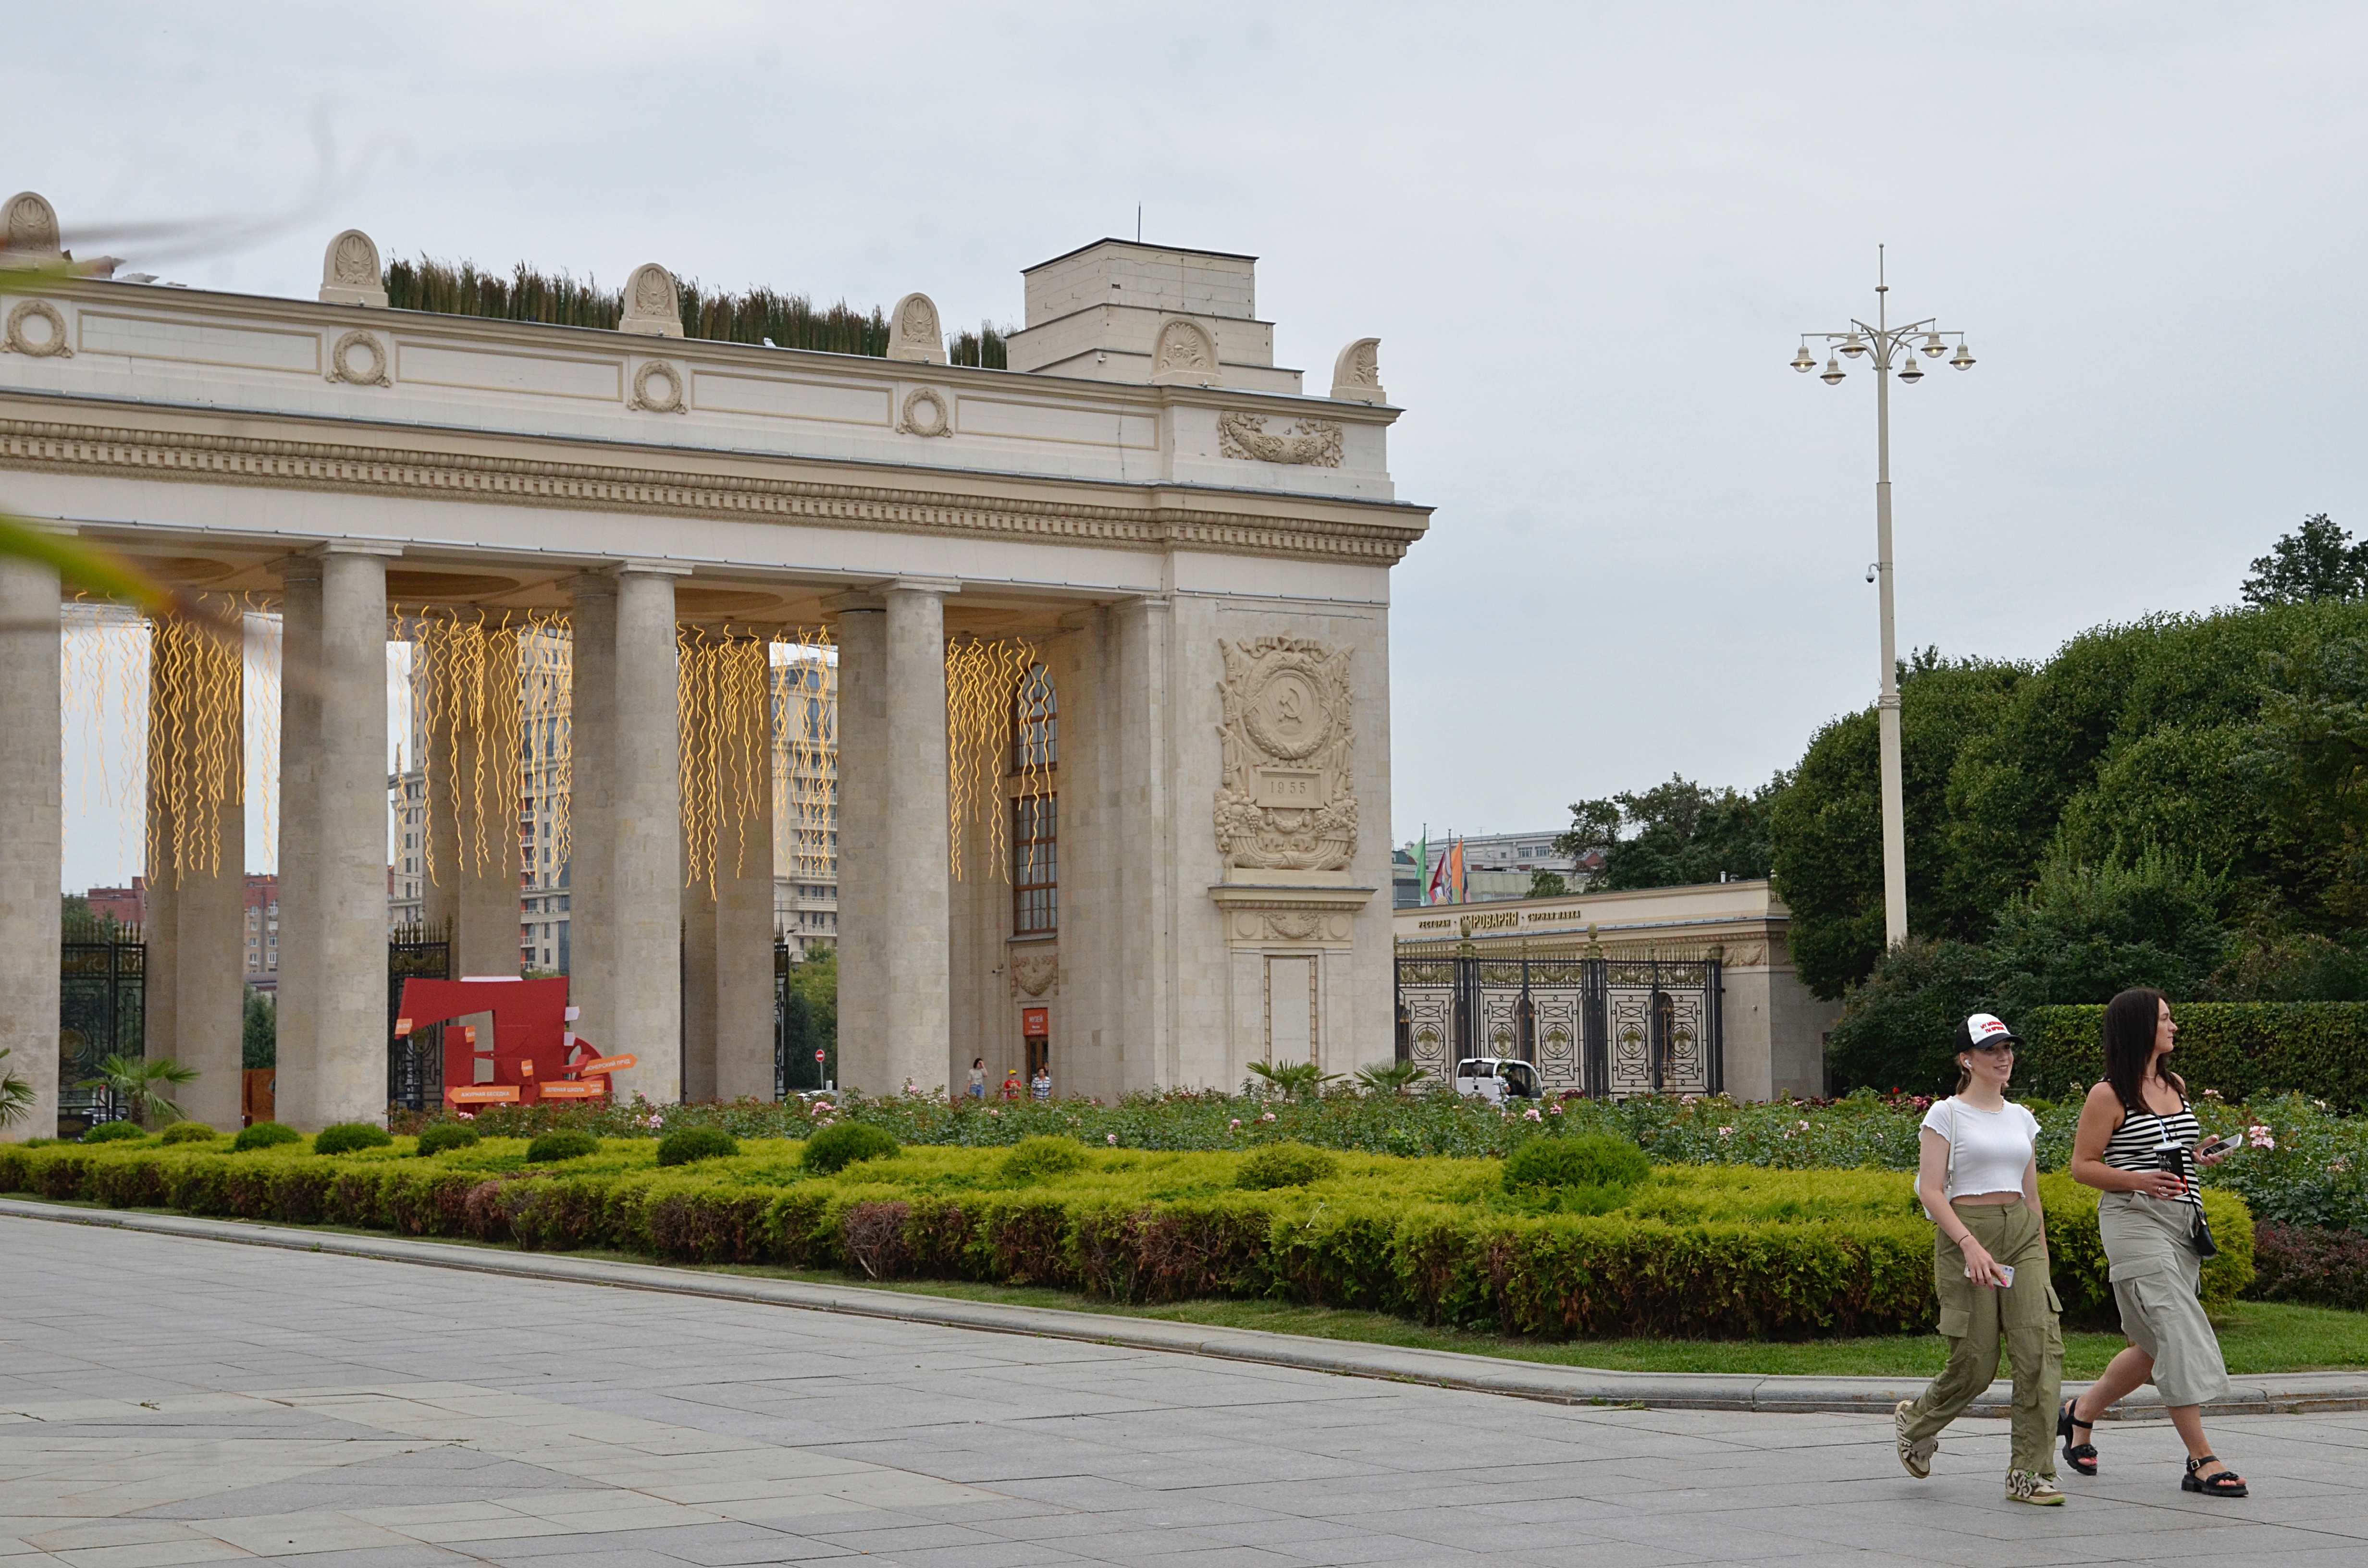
102 1010
1606 1027
414 1065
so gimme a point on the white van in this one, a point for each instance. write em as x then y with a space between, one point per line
1497 1079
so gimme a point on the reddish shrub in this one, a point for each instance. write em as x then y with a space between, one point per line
2305 1263
874 1235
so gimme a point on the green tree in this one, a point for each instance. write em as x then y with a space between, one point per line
259 1032
1548 884
2083 932
1675 834
2315 754
814 981
2316 561
1898 1026
1827 828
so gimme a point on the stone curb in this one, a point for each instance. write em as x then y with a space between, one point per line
1437 1368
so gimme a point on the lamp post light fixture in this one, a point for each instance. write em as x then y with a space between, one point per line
1894 350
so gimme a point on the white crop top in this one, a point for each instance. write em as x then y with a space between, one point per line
1988 1150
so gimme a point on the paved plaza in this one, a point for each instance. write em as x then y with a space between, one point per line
169 1400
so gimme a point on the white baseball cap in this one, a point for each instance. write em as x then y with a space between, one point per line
1986 1028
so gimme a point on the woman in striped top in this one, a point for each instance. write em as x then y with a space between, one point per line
2149 1216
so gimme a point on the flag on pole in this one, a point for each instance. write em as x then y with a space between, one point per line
1455 877
1422 858
1437 890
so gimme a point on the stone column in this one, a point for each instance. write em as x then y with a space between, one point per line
31 853
698 976
473 815
1144 879
297 1003
336 1070
592 745
647 872
863 868
917 837
194 974
744 898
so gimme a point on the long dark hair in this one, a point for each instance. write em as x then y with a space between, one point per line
2130 1020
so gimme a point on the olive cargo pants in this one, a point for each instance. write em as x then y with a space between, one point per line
1979 1321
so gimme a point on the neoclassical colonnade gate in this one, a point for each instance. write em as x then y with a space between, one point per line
1111 643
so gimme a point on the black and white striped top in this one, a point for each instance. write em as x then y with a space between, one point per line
2132 1144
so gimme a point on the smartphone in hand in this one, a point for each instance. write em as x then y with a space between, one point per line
2227 1143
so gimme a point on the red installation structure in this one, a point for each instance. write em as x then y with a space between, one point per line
533 1054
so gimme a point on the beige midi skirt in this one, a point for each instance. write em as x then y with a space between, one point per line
2155 1277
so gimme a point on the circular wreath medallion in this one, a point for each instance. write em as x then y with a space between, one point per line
659 388
46 313
1286 714
362 346
926 414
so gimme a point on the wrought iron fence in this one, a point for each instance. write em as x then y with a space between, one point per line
414 1063
1607 1027
102 1010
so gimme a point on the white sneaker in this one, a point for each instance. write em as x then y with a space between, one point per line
1914 1458
2029 1486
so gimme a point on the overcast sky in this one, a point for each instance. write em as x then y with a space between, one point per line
1588 235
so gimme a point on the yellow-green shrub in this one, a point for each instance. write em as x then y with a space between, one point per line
1704 1251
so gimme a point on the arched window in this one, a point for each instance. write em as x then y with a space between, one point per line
1035 816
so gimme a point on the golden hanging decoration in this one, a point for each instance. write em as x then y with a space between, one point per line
723 708
983 684
469 691
197 745
804 676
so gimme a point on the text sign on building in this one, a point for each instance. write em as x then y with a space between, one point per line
1036 1021
1300 789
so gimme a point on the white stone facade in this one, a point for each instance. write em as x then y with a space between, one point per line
1132 528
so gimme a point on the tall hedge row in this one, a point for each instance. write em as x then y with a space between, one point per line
1854 1270
2240 1049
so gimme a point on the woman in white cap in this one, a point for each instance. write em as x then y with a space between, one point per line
2136 1145
1980 1181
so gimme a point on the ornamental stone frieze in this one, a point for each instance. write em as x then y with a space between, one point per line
1315 442
1288 800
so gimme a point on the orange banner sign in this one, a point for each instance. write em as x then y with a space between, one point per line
402 1025
482 1094
604 1064
561 1089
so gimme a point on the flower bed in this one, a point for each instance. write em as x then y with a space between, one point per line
1710 1252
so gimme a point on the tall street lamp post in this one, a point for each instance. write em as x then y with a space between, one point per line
1894 349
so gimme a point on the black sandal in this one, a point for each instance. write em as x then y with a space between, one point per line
2222 1483
2081 1457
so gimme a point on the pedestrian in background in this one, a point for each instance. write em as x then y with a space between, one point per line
1979 1178
1041 1086
978 1077
2135 1145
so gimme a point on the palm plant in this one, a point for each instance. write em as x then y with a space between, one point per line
131 1082
1298 1079
1390 1077
16 1095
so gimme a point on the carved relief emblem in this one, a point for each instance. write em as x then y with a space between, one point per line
1036 972
913 333
652 305
355 260
1312 441
657 388
359 357
52 340
925 415
1288 798
1184 352
1357 374
32 225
